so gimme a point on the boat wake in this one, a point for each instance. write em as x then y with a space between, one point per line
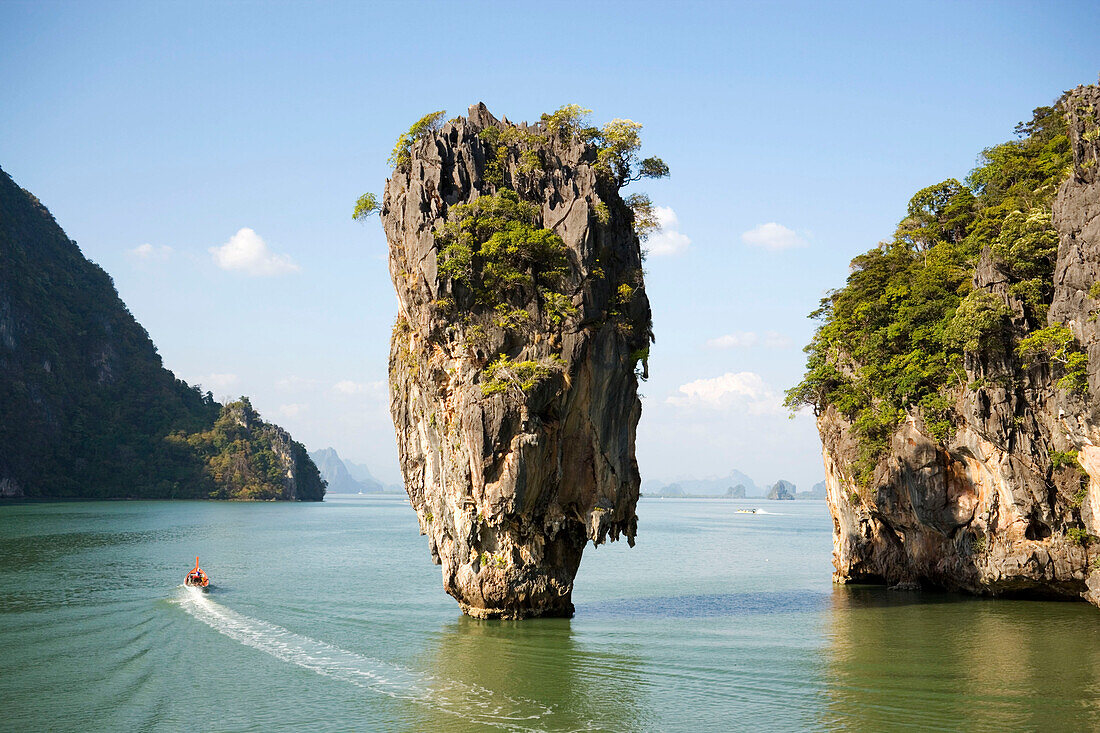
470 702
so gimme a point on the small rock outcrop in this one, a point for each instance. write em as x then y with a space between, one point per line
1009 501
522 317
782 491
736 492
250 459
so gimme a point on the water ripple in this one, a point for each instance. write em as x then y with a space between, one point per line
470 702
709 606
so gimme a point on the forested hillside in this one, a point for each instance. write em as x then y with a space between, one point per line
86 407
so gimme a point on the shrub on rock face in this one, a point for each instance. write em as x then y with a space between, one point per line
1057 346
422 129
493 248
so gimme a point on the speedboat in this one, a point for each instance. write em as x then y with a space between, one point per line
746 511
197 578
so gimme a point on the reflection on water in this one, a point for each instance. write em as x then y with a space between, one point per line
901 660
581 688
709 606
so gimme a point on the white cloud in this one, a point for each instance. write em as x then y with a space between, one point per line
292 410
667 217
775 340
219 381
151 252
748 339
349 387
735 340
667 240
745 391
773 236
297 383
247 252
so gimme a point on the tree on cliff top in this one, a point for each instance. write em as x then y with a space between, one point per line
423 128
494 248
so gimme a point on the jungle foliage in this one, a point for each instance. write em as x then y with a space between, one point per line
240 458
494 248
892 339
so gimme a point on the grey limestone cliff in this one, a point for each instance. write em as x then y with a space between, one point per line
515 406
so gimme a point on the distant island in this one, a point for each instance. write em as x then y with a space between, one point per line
745 488
87 410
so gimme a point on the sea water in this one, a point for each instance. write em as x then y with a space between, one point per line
331 617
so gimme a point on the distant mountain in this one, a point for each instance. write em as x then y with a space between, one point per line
718 486
340 478
817 493
676 491
359 471
667 492
783 491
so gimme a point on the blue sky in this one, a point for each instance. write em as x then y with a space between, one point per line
796 133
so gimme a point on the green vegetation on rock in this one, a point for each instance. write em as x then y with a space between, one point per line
494 249
247 458
1079 536
892 340
365 206
421 129
524 376
1056 345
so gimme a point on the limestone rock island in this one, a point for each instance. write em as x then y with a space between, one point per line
955 378
523 327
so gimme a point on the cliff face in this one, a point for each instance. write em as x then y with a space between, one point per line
86 408
515 404
997 507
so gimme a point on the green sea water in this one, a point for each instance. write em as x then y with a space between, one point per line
331 617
